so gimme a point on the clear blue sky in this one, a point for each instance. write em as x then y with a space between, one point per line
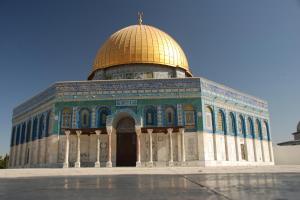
252 46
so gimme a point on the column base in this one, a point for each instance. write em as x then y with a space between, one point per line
66 165
150 164
138 164
183 163
109 164
97 164
171 164
77 165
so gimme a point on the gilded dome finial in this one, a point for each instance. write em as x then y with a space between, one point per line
140 17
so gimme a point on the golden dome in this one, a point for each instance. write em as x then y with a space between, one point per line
140 44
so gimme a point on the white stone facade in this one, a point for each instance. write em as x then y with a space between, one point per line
200 132
200 149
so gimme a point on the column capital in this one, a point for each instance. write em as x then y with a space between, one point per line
78 133
109 130
170 130
150 131
98 132
138 130
67 132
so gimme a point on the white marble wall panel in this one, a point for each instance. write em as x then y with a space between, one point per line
52 149
231 148
62 148
208 146
191 152
162 147
240 141
34 152
72 148
266 151
178 146
220 147
41 150
250 151
114 148
175 146
200 145
144 147
23 152
19 155
92 150
103 148
84 148
271 152
259 150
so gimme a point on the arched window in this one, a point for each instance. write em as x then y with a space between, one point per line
34 129
150 116
189 116
18 135
231 123
250 129
257 129
13 134
241 126
265 132
102 116
170 116
23 133
47 129
221 122
85 118
208 118
28 131
41 127
66 118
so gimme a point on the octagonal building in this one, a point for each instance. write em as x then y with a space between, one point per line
141 106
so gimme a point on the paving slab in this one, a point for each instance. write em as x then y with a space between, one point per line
159 187
42 172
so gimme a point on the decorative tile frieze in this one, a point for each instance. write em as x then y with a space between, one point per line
211 88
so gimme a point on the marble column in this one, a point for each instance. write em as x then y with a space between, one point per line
150 147
109 132
170 130
67 145
77 163
181 130
138 146
97 163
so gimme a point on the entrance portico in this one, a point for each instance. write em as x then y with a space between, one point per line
122 140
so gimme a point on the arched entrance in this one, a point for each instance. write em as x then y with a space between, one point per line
126 142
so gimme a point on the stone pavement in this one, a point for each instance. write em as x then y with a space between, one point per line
159 187
42 172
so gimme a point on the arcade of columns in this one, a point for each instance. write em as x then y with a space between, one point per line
109 160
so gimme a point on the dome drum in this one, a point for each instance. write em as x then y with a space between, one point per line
138 71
